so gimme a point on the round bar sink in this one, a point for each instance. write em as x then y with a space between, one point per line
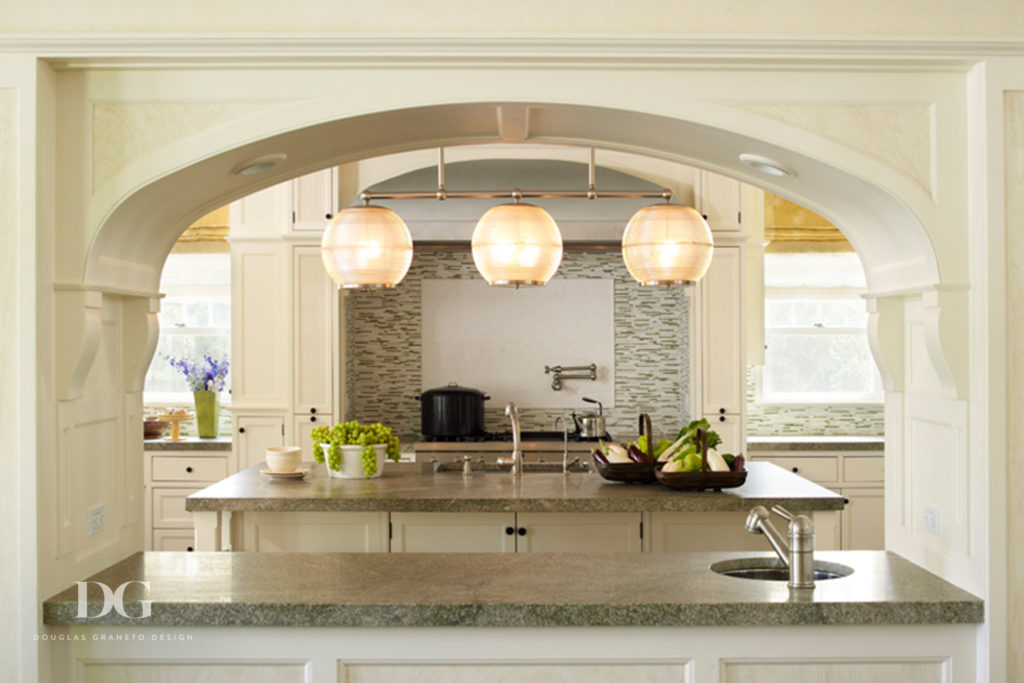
771 569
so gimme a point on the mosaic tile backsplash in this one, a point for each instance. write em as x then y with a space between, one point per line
805 420
383 347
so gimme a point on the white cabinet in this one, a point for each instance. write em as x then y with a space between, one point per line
720 200
578 532
315 366
254 434
863 520
722 398
170 477
453 532
524 532
674 532
260 334
858 477
298 532
313 197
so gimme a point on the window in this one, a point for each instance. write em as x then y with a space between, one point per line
816 347
195 318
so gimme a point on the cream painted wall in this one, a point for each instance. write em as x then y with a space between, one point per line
826 17
1014 113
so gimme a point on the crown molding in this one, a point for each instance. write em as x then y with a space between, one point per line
227 50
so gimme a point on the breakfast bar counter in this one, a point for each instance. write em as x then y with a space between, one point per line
575 618
414 487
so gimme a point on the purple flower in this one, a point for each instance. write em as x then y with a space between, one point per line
206 374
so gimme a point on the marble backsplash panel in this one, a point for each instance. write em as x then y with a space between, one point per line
652 350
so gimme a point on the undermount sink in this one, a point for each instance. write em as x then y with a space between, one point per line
770 569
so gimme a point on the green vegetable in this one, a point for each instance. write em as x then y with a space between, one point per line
659 448
354 434
690 433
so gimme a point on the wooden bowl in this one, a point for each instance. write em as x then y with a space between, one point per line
154 429
702 480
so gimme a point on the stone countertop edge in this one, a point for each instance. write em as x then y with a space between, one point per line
413 487
221 443
761 444
383 590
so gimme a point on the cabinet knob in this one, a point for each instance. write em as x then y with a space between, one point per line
721 411
241 430
313 418
190 549
721 418
522 531
189 468
846 501
312 411
796 469
328 215
509 531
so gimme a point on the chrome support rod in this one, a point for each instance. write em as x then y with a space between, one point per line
525 194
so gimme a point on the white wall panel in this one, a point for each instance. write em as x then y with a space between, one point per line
499 340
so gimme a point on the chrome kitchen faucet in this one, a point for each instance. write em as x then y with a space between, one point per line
517 452
798 555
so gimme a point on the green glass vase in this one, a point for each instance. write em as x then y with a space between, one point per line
207 413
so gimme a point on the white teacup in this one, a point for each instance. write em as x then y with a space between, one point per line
283 458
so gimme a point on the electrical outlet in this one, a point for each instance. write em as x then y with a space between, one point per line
931 519
95 520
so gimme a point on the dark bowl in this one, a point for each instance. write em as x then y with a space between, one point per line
154 429
629 472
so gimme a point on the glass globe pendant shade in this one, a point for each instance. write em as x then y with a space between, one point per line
667 244
516 245
366 247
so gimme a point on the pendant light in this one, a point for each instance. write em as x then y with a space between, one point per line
366 247
666 245
516 244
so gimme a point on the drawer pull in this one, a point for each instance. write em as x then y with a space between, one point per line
522 531
796 469
312 411
509 531
241 430
312 418
190 549
722 411
189 469
721 418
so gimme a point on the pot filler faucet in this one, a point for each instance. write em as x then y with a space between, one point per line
798 555
517 452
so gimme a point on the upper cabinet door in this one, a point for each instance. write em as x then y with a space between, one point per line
260 334
720 199
313 197
315 333
721 334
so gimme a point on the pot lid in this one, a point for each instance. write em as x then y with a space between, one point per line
453 388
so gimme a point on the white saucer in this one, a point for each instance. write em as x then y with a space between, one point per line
297 474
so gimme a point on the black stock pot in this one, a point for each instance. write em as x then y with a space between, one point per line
452 411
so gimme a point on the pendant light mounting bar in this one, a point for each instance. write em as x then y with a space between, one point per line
441 193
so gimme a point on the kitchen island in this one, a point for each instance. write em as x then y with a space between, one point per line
412 508
482 616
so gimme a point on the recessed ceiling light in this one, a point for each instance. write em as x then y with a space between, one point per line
767 166
258 165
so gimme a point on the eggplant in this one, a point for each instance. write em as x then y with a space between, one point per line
637 455
737 464
600 457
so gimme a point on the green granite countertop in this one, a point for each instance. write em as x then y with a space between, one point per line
761 444
221 443
497 589
414 487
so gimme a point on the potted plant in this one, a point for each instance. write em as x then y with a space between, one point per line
353 450
206 378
